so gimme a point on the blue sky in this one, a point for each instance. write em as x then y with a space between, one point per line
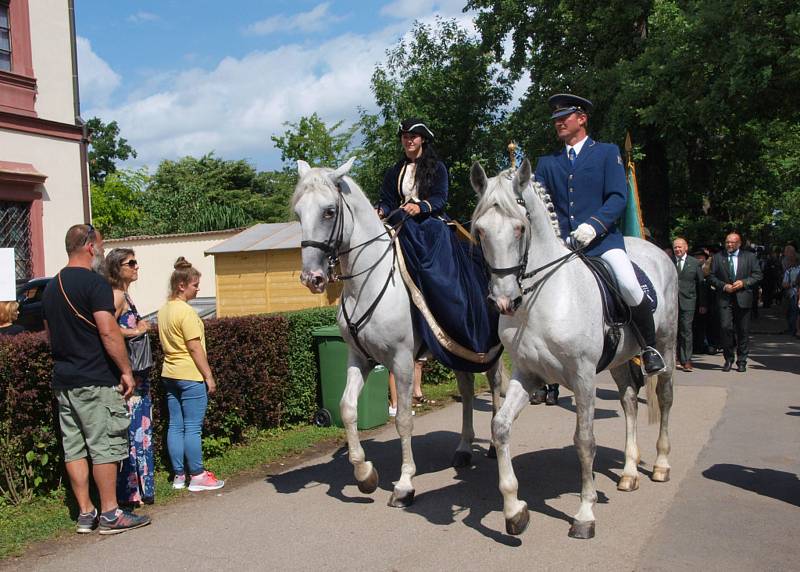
186 78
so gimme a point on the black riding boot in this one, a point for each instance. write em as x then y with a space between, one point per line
643 322
551 398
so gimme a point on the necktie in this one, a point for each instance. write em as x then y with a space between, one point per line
730 266
680 265
572 156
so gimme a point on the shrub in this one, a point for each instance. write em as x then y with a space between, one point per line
434 373
301 397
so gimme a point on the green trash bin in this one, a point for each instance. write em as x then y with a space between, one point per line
373 406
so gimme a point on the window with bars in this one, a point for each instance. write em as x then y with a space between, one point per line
5 38
15 232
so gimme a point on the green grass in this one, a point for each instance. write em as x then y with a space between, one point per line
47 518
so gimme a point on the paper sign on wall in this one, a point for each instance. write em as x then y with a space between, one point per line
8 285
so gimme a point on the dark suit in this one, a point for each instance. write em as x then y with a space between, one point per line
734 308
594 191
691 291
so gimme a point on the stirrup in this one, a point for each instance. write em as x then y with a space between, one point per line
651 350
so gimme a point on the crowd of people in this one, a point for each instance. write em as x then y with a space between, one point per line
101 380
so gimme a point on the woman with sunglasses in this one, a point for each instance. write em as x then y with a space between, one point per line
135 484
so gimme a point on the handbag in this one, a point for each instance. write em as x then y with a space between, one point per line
139 351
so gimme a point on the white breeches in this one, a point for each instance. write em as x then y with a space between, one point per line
629 286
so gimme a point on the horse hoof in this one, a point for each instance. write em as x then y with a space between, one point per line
517 524
368 485
462 459
404 501
628 484
492 452
660 474
583 530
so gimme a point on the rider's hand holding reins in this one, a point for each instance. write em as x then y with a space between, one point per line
584 234
411 208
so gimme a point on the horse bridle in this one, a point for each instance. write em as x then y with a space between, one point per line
519 269
331 250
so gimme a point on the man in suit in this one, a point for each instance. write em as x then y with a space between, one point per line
587 183
691 290
734 275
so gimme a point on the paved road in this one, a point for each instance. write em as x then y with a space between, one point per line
733 502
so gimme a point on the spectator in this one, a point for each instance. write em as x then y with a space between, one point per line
9 312
135 483
187 379
89 360
691 297
773 274
734 275
789 285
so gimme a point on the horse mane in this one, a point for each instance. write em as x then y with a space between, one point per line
317 180
504 201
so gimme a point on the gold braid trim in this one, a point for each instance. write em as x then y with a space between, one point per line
446 341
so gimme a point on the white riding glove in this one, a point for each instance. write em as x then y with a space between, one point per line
584 234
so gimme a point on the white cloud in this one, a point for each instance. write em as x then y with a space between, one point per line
97 80
312 21
141 17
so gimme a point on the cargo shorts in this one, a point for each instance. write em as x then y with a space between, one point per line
94 421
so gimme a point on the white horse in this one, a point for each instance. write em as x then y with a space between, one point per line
553 329
339 223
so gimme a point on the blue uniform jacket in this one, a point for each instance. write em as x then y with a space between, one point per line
392 194
593 191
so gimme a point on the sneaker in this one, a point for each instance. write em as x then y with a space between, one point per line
393 411
121 522
205 481
179 482
87 522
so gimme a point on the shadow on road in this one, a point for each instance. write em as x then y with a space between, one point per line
779 485
544 475
795 410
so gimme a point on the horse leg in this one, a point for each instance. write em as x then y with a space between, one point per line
403 493
664 391
515 511
628 396
466 387
583 524
365 473
498 383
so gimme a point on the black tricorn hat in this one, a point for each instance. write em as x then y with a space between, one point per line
415 125
562 104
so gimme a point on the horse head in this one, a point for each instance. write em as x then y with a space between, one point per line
319 203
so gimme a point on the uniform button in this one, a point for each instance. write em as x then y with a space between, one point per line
572 190
572 217
571 203
570 177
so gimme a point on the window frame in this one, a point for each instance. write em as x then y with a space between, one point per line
6 6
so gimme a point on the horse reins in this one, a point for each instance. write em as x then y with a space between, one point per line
331 249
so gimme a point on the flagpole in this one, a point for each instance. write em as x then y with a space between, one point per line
633 185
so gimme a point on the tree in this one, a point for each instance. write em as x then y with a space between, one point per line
311 140
444 76
703 87
105 148
116 202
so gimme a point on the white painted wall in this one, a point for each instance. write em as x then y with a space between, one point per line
62 204
156 257
52 59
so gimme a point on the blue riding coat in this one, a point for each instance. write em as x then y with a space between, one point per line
450 274
594 191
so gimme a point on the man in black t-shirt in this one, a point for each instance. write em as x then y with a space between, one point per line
91 377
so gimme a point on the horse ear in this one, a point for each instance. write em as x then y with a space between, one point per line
523 176
337 175
477 176
302 168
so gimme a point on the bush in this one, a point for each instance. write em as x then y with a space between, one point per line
301 397
434 373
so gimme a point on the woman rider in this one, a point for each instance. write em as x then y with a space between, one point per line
449 273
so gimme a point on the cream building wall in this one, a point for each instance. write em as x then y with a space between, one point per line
156 256
52 59
61 192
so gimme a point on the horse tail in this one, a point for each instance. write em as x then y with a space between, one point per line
653 410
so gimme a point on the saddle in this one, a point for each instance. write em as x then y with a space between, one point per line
616 313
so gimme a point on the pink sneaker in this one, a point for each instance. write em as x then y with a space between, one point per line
205 481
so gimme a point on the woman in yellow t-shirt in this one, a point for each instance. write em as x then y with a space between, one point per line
187 379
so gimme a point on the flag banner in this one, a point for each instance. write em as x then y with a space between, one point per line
631 224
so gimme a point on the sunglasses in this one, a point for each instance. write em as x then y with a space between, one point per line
91 234
132 263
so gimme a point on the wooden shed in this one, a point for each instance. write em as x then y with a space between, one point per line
258 271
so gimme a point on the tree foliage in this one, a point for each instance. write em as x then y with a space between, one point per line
442 75
116 202
105 148
701 85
